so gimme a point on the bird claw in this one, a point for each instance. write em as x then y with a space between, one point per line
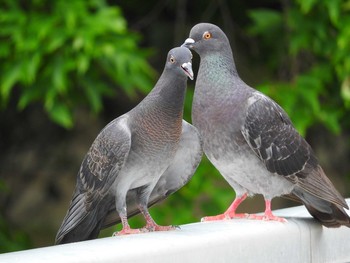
152 228
224 216
214 218
145 230
128 231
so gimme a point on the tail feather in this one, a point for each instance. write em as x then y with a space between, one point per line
80 223
86 230
328 213
336 218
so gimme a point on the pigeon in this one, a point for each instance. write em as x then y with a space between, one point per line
137 160
251 140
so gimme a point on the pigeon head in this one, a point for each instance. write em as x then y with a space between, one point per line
179 60
205 37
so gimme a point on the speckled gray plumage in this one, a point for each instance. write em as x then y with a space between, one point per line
249 137
137 159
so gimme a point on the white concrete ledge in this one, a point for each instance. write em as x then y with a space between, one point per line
301 239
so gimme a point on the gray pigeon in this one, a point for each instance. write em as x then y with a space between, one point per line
250 139
137 160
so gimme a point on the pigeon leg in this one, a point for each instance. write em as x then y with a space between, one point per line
142 198
230 212
127 230
151 225
268 216
121 209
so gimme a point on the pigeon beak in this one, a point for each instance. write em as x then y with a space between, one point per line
188 43
187 68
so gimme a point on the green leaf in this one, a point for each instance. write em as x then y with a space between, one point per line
83 63
264 20
306 5
31 67
49 50
8 80
29 94
59 77
93 95
62 115
331 119
56 42
345 91
333 8
298 43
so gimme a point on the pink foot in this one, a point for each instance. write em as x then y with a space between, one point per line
151 225
268 216
128 231
230 212
155 227
224 216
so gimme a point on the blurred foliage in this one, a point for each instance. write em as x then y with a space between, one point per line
66 53
309 40
11 239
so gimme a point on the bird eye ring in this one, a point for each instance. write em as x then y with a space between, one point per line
172 59
207 35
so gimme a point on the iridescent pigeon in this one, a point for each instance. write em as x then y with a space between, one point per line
250 139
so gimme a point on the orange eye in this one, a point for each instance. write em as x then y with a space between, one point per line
172 59
206 35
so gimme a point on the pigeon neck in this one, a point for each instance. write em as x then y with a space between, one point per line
220 60
217 70
170 91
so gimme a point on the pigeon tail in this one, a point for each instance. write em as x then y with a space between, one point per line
321 198
80 224
328 213
86 230
337 218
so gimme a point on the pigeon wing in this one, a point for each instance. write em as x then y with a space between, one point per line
97 173
270 134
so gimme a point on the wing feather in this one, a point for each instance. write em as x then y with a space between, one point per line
97 173
283 150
